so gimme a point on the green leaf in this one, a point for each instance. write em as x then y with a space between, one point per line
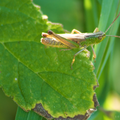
31 73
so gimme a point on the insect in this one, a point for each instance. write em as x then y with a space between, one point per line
78 40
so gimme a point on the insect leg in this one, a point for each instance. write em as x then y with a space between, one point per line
65 49
76 55
68 43
75 31
94 55
96 30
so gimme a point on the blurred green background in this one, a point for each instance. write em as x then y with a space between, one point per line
84 16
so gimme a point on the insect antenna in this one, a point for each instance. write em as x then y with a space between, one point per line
112 23
113 36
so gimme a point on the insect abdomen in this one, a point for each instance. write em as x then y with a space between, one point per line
52 43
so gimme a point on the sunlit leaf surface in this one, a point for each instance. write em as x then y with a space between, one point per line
31 73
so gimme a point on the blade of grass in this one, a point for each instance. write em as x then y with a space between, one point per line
100 2
102 55
22 115
89 15
100 51
102 25
95 12
109 45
